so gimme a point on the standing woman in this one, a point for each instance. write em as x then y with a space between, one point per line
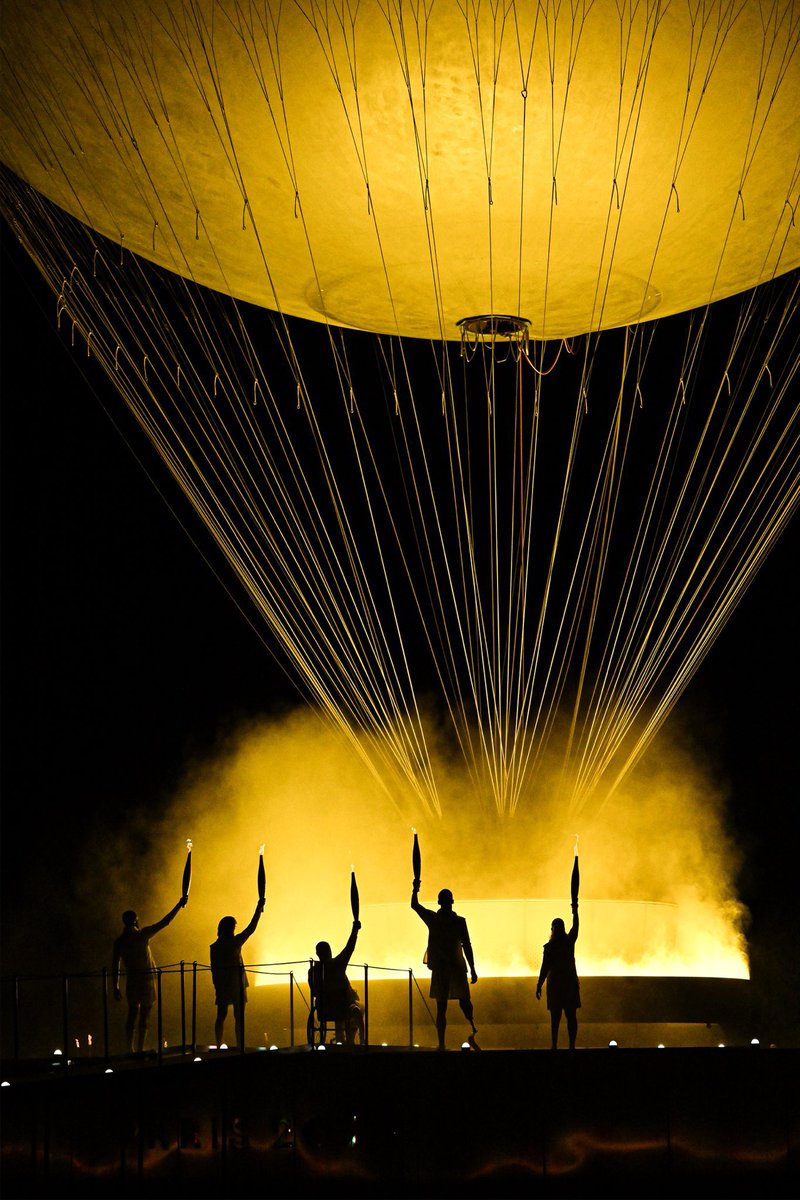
558 968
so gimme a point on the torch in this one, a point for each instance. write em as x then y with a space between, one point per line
354 901
416 860
262 875
187 871
576 876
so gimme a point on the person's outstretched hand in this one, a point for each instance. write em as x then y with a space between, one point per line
474 976
538 993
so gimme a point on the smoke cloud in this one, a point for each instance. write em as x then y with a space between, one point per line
657 866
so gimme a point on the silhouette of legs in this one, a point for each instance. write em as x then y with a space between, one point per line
355 1025
130 1023
572 1025
144 1021
136 1025
222 1012
466 1008
441 1019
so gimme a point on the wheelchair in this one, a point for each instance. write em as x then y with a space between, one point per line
343 1015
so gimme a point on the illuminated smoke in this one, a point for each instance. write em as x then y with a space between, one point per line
657 867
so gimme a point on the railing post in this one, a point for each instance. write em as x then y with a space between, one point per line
65 1015
410 1007
105 1014
183 1008
16 1017
194 1007
291 1008
242 978
366 1005
159 1024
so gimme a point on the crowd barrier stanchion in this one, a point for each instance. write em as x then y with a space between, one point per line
194 1007
106 1054
366 1005
16 1017
183 1007
241 1010
65 1014
410 1008
159 1017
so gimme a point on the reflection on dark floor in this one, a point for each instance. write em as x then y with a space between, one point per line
391 1122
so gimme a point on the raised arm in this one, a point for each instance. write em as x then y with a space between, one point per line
151 930
346 954
242 937
573 933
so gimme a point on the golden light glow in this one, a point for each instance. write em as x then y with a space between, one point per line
396 168
399 167
656 870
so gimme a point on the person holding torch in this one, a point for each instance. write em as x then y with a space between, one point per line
559 971
449 951
333 996
227 967
133 954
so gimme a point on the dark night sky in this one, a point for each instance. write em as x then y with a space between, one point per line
123 653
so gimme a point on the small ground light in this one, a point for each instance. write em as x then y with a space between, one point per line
223 1046
273 1047
612 1044
465 1045
109 1071
721 1046
660 1046
755 1042
5 1083
56 1052
197 1058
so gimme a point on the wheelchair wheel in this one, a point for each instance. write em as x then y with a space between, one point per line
316 1034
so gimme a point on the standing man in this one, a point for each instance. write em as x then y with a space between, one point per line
449 951
228 973
132 951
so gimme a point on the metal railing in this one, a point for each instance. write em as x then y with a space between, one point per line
41 1011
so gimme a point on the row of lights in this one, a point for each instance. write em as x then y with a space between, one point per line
612 1045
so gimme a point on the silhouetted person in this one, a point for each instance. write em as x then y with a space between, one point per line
332 993
228 973
563 988
449 951
132 952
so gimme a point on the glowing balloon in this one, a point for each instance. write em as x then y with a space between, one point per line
480 171
400 167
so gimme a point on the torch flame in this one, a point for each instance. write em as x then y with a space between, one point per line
189 844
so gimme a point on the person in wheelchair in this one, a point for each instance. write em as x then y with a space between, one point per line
333 998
